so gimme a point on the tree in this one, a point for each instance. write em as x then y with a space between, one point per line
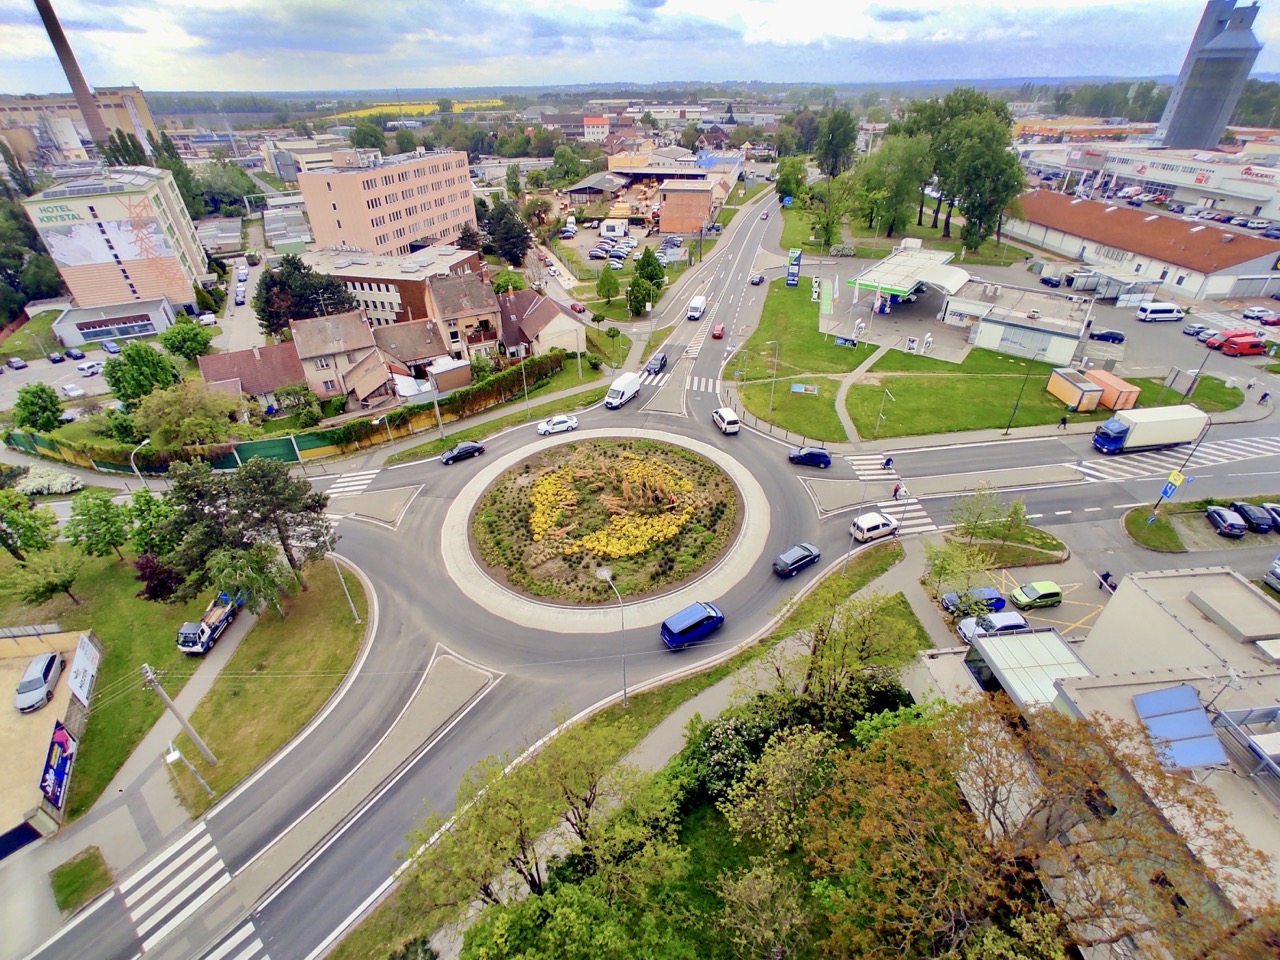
769 803
976 515
565 164
833 149
764 911
44 576
19 176
511 238
639 295
165 155
296 394
257 572
189 413
689 136
445 105
649 120
137 371
887 182
513 181
405 141
149 516
957 566
536 211
98 524
187 339
273 502
23 526
650 268
224 186
294 290
791 177
607 285
40 278
368 135
986 175
468 238
37 407
505 280
535 179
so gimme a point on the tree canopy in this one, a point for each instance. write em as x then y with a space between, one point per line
137 370
37 406
294 291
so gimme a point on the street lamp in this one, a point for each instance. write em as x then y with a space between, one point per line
133 463
774 382
1014 412
606 574
435 394
387 420
880 416
328 542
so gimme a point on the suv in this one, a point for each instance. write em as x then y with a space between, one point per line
794 559
656 363
988 598
989 624
810 456
1256 518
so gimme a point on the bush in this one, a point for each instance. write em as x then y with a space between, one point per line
309 415
843 250
45 480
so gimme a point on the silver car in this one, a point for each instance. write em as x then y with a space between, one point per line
35 689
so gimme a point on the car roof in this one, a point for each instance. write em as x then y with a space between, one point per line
683 619
873 517
1041 586
37 665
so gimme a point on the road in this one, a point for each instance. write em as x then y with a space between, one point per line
256 878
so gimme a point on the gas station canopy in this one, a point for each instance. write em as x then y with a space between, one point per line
901 272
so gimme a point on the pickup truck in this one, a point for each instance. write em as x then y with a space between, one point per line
197 638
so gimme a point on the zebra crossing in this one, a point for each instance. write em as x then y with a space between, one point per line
703 385
910 514
695 345
1162 462
351 484
867 467
654 379
242 943
174 886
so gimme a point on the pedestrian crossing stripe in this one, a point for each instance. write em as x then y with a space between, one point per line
1160 463
351 484
174 886
654 379
242 943
869 466
702 385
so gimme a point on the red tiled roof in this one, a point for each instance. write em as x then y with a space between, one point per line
260 370
1197 246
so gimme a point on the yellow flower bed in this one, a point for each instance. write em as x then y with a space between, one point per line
551 493
628 536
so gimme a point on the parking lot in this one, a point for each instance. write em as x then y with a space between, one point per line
56 375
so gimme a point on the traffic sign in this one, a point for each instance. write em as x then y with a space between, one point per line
1168 490
1176 478
1151 519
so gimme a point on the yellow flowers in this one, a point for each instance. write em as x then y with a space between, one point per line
552 493
626 536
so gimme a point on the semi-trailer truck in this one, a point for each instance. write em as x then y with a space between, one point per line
1130 431
200 637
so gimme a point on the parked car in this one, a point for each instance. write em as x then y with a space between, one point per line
757 279
72 391
111 346
810 457
208 320
552 271
73 353
90 368
988 597
56 358
17 363
1226 522
615 264
35 689
1239 221
559 424
463 451
1175 208
656 363
989 624
1204 336
1274 510
1051 281
1256 313
597 254
794 559
1256 518
1272 234
717 332
239 301
1271 320
1107 336
1194 329
1041 593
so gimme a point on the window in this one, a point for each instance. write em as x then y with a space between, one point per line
351 357
330 385
334 206
322 363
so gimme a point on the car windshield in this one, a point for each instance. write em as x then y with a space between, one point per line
28 685
1030 591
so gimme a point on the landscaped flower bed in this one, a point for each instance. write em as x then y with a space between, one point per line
651 512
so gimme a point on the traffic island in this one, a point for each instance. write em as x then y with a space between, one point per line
1152 532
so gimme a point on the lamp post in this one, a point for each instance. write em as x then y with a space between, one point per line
774 382
880 416
525 379
1014 412
435 393
387 420
606 574
328 542
134 463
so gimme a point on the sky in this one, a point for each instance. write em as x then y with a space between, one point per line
279 45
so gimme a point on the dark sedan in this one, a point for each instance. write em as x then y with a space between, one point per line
1107 336
758 278
467 448
73 353
810 456
1051 281
57 358
1256 518
1226 522
795 559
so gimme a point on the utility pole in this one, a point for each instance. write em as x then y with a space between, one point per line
151 680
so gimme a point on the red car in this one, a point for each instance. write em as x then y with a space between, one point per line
717 331
1271 320
576 307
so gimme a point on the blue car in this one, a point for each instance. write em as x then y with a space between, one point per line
988 597
110 346
695 622
810 457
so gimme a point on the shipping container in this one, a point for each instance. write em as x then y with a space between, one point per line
1117 394
1074 389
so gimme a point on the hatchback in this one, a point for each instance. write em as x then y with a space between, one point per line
1107 336
597 254
757 279
615 264
576 307
1194 329
35 689
717 331
989 624
464 450
1256 518
656 363
1051 281
1274 510
72 391
987 598
795 559
1042 593
810 456
1256 313
73 353
1204 336
1227 523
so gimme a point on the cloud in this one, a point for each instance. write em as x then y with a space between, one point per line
898 15
644 9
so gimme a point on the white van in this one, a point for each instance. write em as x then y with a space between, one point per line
697 306
726 420
872 526
623 389
243 273
89 368
1156 311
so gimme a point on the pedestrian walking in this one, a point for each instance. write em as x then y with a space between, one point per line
888 463
897 489
1250 384
1062 423
1265 397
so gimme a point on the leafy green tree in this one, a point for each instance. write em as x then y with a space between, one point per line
224 186
44 576
791 177
886 184
650 268
649 120
468 238
137 371
511 238
284 507
640 294
296 394
368 135
513 181
833 150
536 211
256 571
607 285
98 524
19 176
37 407
187 339
150 518
987 176
505 280
293 291
24 527
689 136
165 155
190 412
535 179
770 802
405 141
764 911
976 515
40 278
445 105
566 164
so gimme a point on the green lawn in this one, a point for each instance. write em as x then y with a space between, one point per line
725 215
80 879
977 361
1159 534
796 231
791 319
616 311
610 349
271 179
810 417
34 339
1211 394
655 341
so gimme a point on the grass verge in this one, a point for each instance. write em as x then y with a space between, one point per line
656 339
479 430
80 879
612 350
790 320
1020 555
280 675
1158 535
34 339
1211 395
811 417
395 921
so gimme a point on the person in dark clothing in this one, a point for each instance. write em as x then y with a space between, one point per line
888 463
1062 424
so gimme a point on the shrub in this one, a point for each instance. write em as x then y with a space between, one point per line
843 250
46 480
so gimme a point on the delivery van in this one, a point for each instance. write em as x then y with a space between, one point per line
1156 311
1219 340
623 389
697 307
1244 347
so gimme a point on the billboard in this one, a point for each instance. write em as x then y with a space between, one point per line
793 267
57 765
84 667
89 242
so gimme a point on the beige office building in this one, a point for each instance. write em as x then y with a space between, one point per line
59 116
393 205
119 236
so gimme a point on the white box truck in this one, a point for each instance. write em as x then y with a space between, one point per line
697 307
1159 428
623 389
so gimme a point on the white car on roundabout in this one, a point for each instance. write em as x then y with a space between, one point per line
557 425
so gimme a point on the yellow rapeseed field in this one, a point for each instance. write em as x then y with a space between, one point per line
415 108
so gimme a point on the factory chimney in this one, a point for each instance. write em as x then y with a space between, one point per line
80 89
